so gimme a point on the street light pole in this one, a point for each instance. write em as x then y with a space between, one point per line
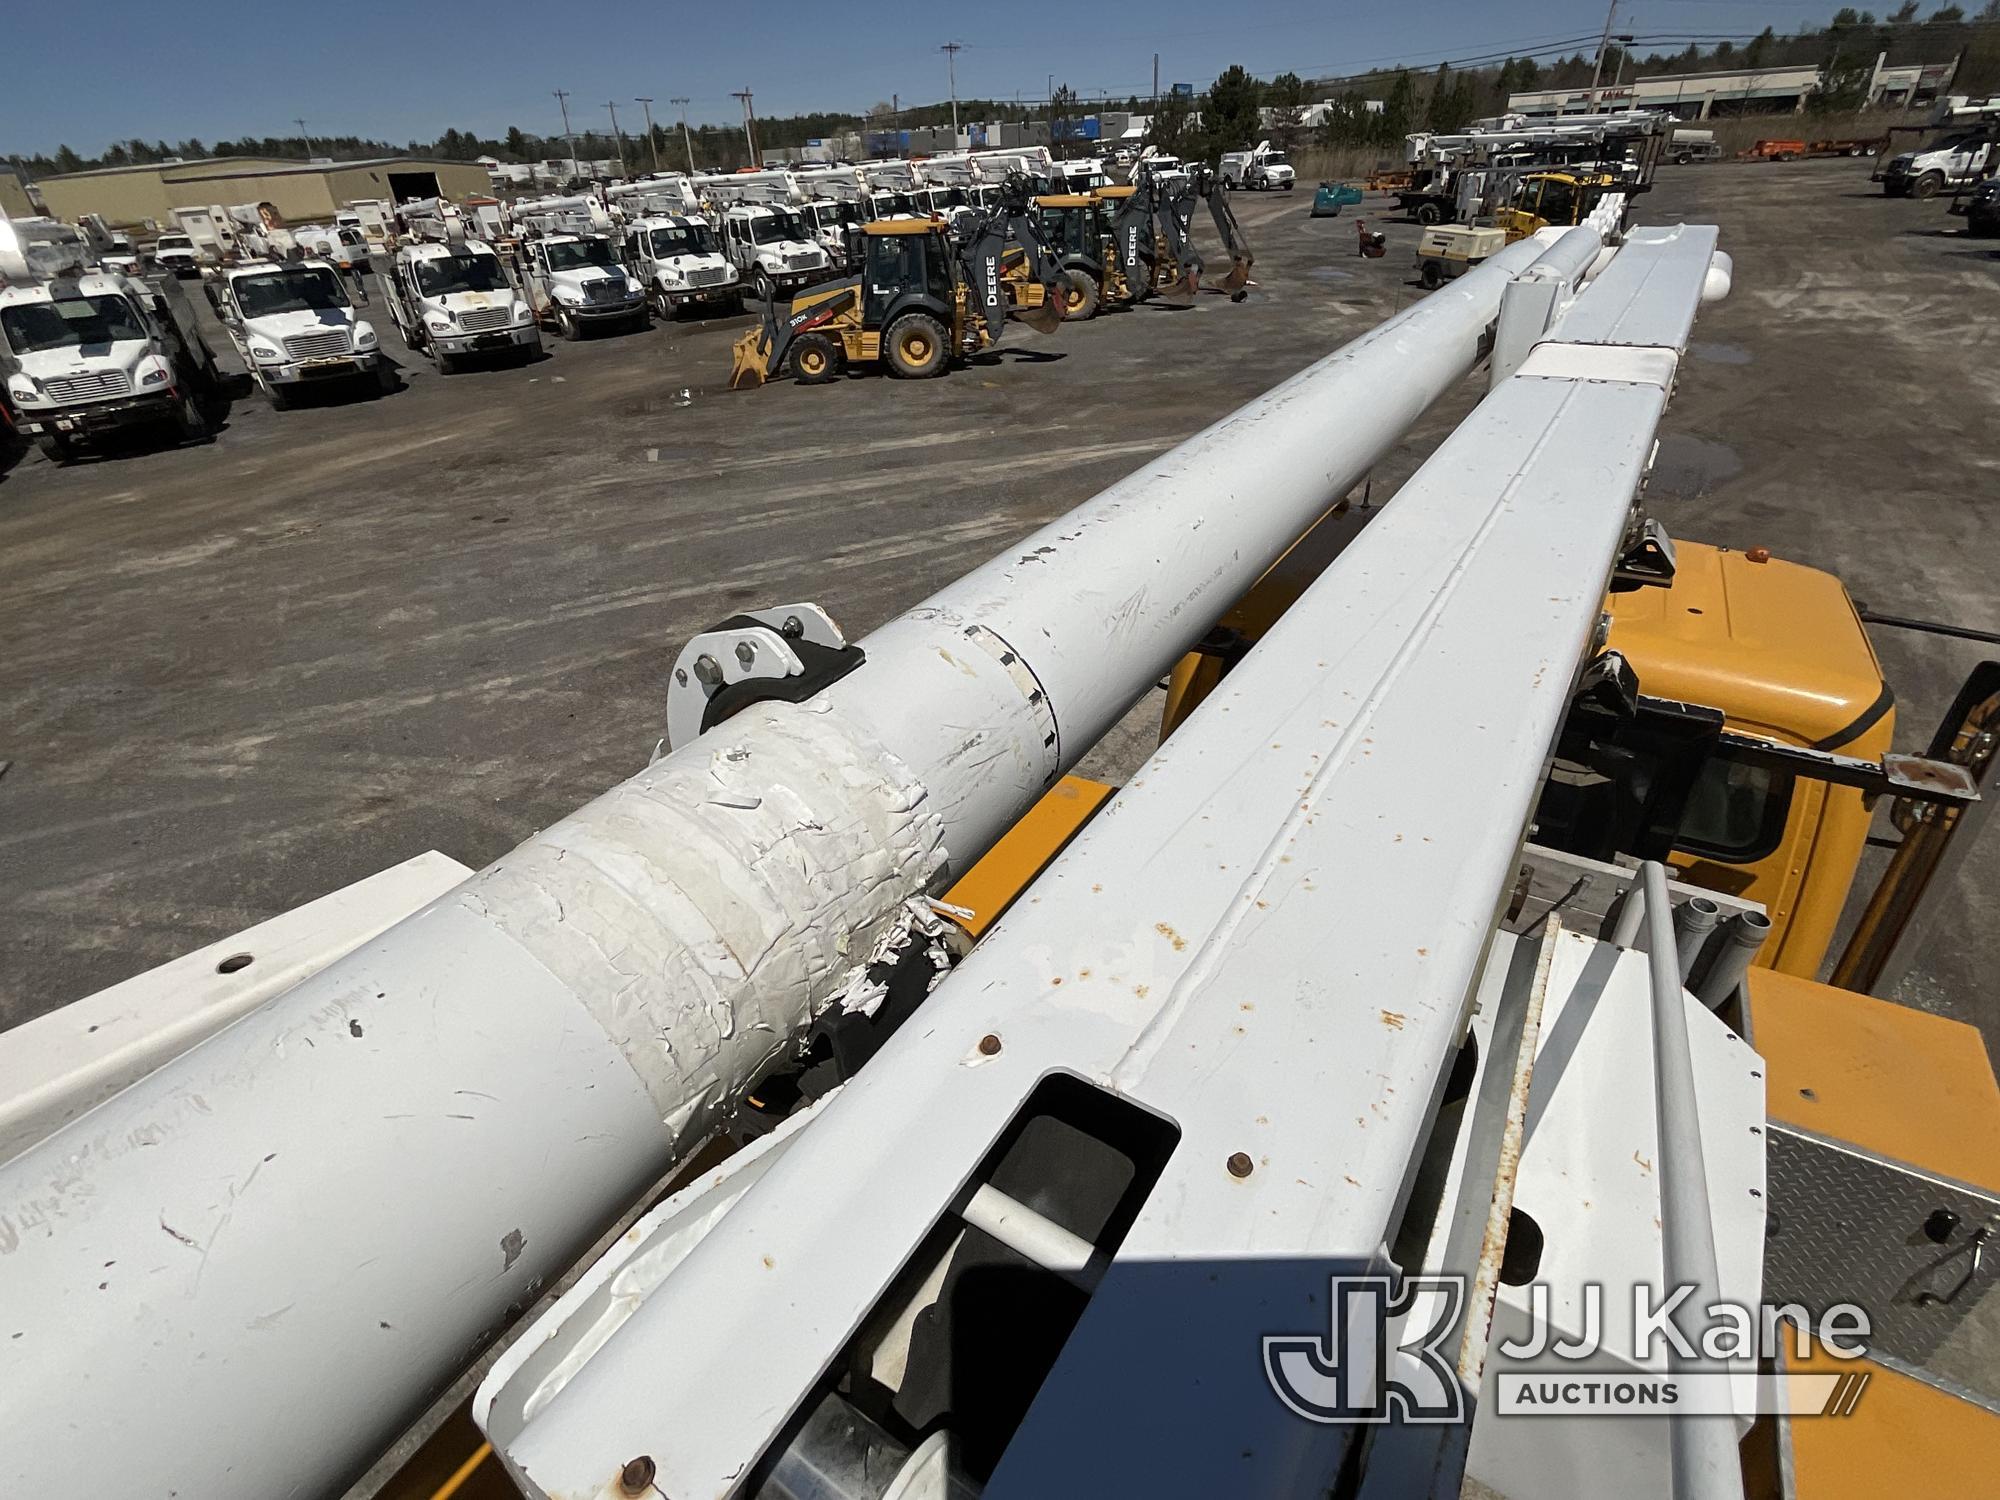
951 51
686 139
651 139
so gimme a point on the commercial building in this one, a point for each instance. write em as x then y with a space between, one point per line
1736 91
301 191
14 200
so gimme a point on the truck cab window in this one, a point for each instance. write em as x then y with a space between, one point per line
1735 813
293 289
72 323
574 255
460 273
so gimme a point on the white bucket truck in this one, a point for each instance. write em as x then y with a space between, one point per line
1264 166
452 300
294 326
90 353
574 282
763 235
679 260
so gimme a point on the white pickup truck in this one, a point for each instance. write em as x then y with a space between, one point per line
772 249
176 254
681 263
454 301
102 353
1958 158
575 282
293 325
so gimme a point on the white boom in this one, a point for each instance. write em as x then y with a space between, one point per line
311 1220
1268 945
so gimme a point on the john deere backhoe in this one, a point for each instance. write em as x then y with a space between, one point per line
1128 242
922 298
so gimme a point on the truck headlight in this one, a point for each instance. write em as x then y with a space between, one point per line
633 288
23 390
364 336
568 296
155 376
437 323
264 351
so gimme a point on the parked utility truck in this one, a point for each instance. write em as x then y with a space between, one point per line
1960 157
1264 166
575 283
679 261
453 301
90 353
99 354
294 326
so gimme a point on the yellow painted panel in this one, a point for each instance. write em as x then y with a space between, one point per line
1904 1438
1024 851
1913 1087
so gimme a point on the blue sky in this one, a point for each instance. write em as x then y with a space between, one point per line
113 69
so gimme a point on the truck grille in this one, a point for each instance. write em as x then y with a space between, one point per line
708 275
481 319
94 386
315 345
605 289
801 262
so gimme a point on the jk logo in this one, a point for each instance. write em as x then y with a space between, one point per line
1381 1358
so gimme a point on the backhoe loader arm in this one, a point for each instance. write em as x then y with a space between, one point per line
759 355
995 245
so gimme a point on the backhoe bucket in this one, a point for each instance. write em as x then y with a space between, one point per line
750 360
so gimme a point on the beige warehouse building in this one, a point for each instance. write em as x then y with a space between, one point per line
301 191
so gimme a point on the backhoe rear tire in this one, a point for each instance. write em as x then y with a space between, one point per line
1428 213
915 347
816 359
1081 302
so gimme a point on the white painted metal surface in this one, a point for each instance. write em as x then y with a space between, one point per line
1590 1178
345 1193
1270 937
60 1064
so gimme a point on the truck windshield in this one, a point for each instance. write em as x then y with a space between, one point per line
173 242
768 229
689 239
574 255
460 273
888 205
293 289
69 324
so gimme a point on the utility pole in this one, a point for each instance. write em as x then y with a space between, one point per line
623 169
686 139
651 139
951 51
1618 73
1156 82
1597 72
575 166
749 129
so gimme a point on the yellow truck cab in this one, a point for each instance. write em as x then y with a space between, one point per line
1775 648
1779 648
1545 199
